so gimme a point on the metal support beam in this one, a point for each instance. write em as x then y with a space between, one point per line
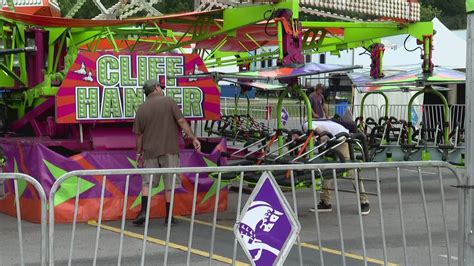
466 224
197 3
249 14
12 74
356 32
17 50
100 6
150 8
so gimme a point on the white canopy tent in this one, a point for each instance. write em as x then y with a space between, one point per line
449 51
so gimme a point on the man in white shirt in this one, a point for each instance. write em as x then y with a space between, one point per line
334 128
326 126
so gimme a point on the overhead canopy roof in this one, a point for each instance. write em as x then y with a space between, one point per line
289 71
408 80
259 85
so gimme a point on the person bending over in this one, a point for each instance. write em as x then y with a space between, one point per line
334 128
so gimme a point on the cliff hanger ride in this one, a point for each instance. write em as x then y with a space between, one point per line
40 52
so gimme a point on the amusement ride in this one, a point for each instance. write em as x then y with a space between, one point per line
70 87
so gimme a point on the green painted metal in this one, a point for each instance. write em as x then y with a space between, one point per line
160 34
111 39
281 97
236 103
426 54
248 102
6 80
362 102
469 6
307 104
295 8
235 113
253 40
356 34
218 60
10 73
55 34
13 38
280 41
218 46
50 59
445 113
335 49
236 109
248 15
165 34
20 43
309 115
224 58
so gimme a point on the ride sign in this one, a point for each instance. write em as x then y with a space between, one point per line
284 116
267 227
108 87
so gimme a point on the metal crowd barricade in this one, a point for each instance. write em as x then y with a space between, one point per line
433 117
428 225
42 197
457 114
430 114
370 110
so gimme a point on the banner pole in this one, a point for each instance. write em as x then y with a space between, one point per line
469 128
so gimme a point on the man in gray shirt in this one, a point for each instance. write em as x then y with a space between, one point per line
316 98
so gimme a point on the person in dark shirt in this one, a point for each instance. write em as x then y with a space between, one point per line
316 98
156 128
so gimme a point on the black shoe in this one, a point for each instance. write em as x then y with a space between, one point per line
140 218
364 208
173 221
322 207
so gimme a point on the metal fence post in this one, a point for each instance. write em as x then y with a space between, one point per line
324 170
469 181
42 197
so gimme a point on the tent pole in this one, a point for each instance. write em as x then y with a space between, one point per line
465 253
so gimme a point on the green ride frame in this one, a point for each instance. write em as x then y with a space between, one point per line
317 38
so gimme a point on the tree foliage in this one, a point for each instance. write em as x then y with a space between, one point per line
428 12
451 12
175 6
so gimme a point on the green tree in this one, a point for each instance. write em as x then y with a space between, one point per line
175 6
428 12
453 12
